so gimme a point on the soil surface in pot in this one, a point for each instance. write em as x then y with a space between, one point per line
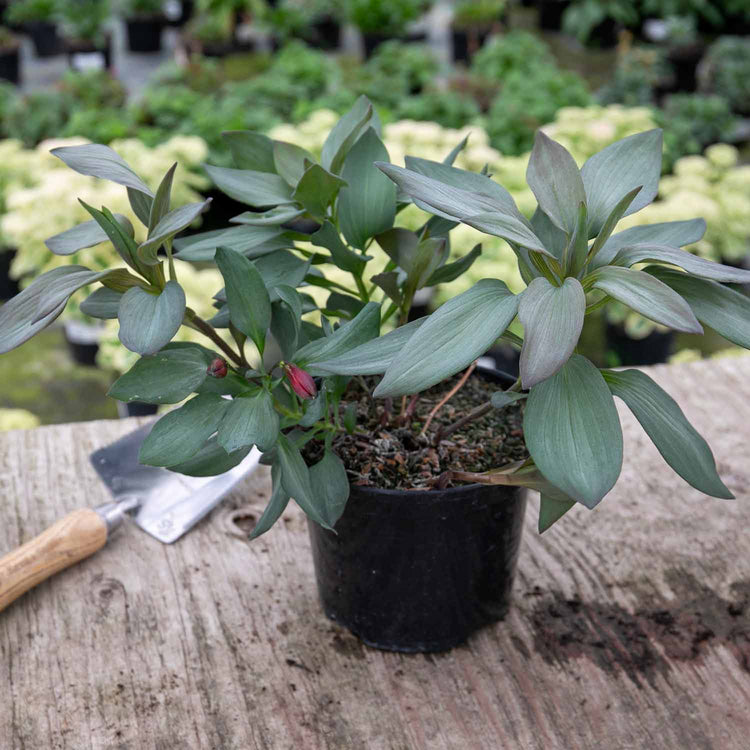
389 451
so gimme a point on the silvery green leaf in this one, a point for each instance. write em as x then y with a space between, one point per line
451 271
316 409
555 180
17 324
253 188
281 268
367 205
289 161
84 235
572 431
247 240
364 327
330 483
552 237
103 303
64 286
250 150
609 226
371 358
488 214
179 435
210 460
169 225
120 236
348 306
247 296
274 217
345 134
276 505
141 205
317 189
452 337
669 233
161 202
717 306
706 269
148 322
388 282
167 377
295 479
552 510
463 179
455 151
95 160
648 296
249 420
501 399
616 170
399 245
675 438
552 319
328 237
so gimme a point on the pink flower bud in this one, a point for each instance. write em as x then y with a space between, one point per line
301 381
217 368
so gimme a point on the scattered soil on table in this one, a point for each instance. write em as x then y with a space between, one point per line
650 640
389 451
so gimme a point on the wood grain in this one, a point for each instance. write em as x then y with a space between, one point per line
630 627
67 541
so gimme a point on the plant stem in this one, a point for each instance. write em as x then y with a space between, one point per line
363 293
453 391
208 330
475 413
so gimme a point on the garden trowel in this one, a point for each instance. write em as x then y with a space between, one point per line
161 502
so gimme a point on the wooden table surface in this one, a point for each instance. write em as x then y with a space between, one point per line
630 626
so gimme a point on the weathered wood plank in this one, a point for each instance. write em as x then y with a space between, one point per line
630 629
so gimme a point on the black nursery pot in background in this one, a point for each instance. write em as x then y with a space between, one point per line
373 41
144 34
8 286
79 50
467 42
10 68
420 571
551 13
44 36
651 350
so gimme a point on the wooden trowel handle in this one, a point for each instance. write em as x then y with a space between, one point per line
73 538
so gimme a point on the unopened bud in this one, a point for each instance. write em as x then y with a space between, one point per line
301 381
217 368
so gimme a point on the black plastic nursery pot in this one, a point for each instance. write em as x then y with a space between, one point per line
551 13
44 36
420 570
136 409
467 42
684 61
653 349
10 65
144 33
324 33
84 54
8 286
373 41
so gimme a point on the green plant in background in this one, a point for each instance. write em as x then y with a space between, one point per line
471 14
8 40
27 11
386 17
92 89
691 122
516 51
726 71
447 108
85 20
142 8
36 116
529 100
581 17
693 10
639 72
569 254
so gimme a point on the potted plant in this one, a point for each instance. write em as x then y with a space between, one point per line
379 20
473 22
39 19
10 49
213 28
349 413
87 41
144 21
